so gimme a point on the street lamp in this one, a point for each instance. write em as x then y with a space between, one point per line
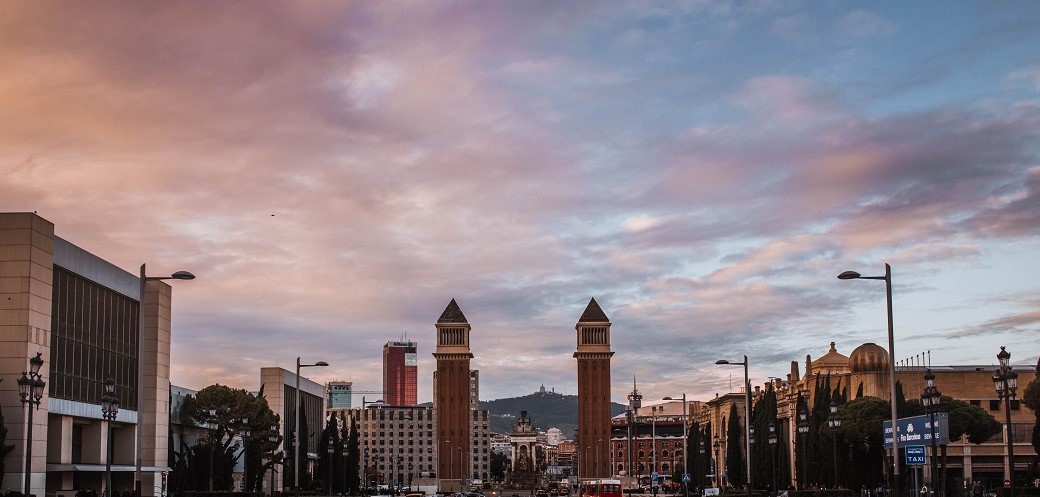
773 439
887 278
803 430
834 422
686 456
747 414
331 448
930 398
244 432
144 279
30 389
653 450
296 418
346 467
364 429
718 474
274 438
701 451
1005 380
212 443
109 410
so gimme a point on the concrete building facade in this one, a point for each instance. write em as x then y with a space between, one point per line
84 316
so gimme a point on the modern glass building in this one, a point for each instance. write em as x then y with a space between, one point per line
400 374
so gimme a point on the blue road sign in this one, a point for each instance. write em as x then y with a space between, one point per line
915 455
686 478
918 430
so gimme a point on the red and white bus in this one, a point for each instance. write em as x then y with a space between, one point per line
600 488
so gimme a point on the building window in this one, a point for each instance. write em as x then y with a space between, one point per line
994 405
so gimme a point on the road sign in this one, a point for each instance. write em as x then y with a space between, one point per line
710 491
686 478
653 477
918 430
915 455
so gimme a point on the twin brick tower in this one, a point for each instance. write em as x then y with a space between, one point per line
452 401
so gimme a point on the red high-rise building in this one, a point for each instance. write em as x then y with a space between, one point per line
400 374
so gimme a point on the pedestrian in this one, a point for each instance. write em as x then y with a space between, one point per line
976 489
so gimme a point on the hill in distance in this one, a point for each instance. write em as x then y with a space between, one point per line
545 409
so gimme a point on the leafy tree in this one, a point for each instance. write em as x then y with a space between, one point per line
861 430
4 448
231 407
498 465
1031 399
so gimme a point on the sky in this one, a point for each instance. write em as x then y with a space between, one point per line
334 173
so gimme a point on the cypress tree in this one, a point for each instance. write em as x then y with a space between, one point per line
735 448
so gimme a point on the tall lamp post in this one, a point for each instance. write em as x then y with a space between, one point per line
274 438
686 454
1005 380
887 278
346 467
834 422
330 449
212 443
30 389
930 398
144 279
296 418
716 466
803 430
244 432
773 439
109 410
653 450
747 415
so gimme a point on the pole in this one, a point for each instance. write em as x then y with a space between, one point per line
143 280
834 454
686 455
1010 441
108 458
28 450
892 381
296 433
747 424
934 473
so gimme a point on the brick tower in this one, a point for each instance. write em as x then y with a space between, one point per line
451 397
593 357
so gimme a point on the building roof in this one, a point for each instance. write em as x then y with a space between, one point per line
593 314
452 314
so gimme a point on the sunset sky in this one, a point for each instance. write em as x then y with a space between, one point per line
334 173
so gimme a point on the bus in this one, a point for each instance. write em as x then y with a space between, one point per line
600 488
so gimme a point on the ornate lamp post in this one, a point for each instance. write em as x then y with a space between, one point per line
109 410
244 432
834 422
930 398
803 430
887 278
1005 380
30 389
346 467
773 439
410 470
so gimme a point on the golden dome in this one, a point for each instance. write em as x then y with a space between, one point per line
869 358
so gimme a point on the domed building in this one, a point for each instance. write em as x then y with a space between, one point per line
869 368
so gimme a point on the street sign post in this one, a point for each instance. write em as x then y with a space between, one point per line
918 429
915 455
